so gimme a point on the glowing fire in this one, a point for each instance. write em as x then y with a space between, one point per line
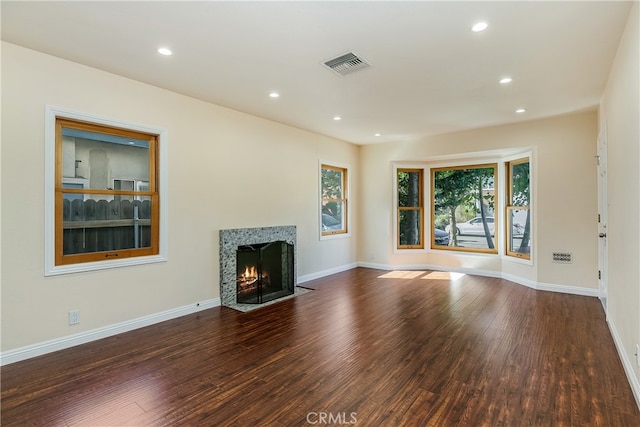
250 275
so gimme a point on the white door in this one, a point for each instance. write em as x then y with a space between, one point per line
603 207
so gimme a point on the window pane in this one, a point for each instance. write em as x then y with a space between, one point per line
97 223
410 208
333 200
518 212
520 184
333 216
104 160
332 182
464 204
409 227
409 194
519 236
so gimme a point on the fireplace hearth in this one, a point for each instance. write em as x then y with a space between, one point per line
264 272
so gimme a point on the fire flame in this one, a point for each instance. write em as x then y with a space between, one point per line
249 277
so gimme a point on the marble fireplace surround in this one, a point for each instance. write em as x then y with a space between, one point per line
230 239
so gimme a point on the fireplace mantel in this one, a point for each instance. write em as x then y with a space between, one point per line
230 239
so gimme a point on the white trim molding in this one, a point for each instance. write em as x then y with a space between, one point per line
319 274
38 349
574 290
626 363
50 269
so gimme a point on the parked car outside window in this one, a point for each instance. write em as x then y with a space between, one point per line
473 227
441 237
330 223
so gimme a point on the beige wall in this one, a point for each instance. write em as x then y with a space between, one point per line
277 166
564 197
620 113
226 170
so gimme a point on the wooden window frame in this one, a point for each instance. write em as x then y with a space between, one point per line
510 207
419 209
55 261
344 200
496 236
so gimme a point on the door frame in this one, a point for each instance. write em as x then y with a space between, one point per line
603 210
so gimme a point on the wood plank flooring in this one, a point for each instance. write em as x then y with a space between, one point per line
366 348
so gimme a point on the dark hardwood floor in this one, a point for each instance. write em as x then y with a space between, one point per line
366 348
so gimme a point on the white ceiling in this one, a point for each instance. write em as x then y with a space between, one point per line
430 74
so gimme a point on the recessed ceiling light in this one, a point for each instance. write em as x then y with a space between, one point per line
520 110
377 134
164 51
480 26
336 118
505 80
274 95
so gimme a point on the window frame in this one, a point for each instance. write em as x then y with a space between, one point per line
496 209
509 206
57 263
420 208
345 230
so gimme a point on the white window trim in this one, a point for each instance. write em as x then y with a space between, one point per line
50 269
347 194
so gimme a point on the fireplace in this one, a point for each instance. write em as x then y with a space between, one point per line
233 239
264 272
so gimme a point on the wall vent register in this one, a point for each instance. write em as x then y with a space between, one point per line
562 257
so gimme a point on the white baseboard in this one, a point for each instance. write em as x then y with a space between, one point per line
626 363
50 346
550 287
574 290
319 274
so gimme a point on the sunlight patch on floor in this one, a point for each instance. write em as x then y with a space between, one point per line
412 274
402 274
443 275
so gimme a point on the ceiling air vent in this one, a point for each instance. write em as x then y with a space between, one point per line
346 64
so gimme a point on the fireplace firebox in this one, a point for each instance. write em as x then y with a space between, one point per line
265 271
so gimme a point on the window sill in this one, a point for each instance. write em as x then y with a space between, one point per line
102 265
410 250
335 236
517 260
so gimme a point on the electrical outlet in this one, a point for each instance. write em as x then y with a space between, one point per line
638 354
74 317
